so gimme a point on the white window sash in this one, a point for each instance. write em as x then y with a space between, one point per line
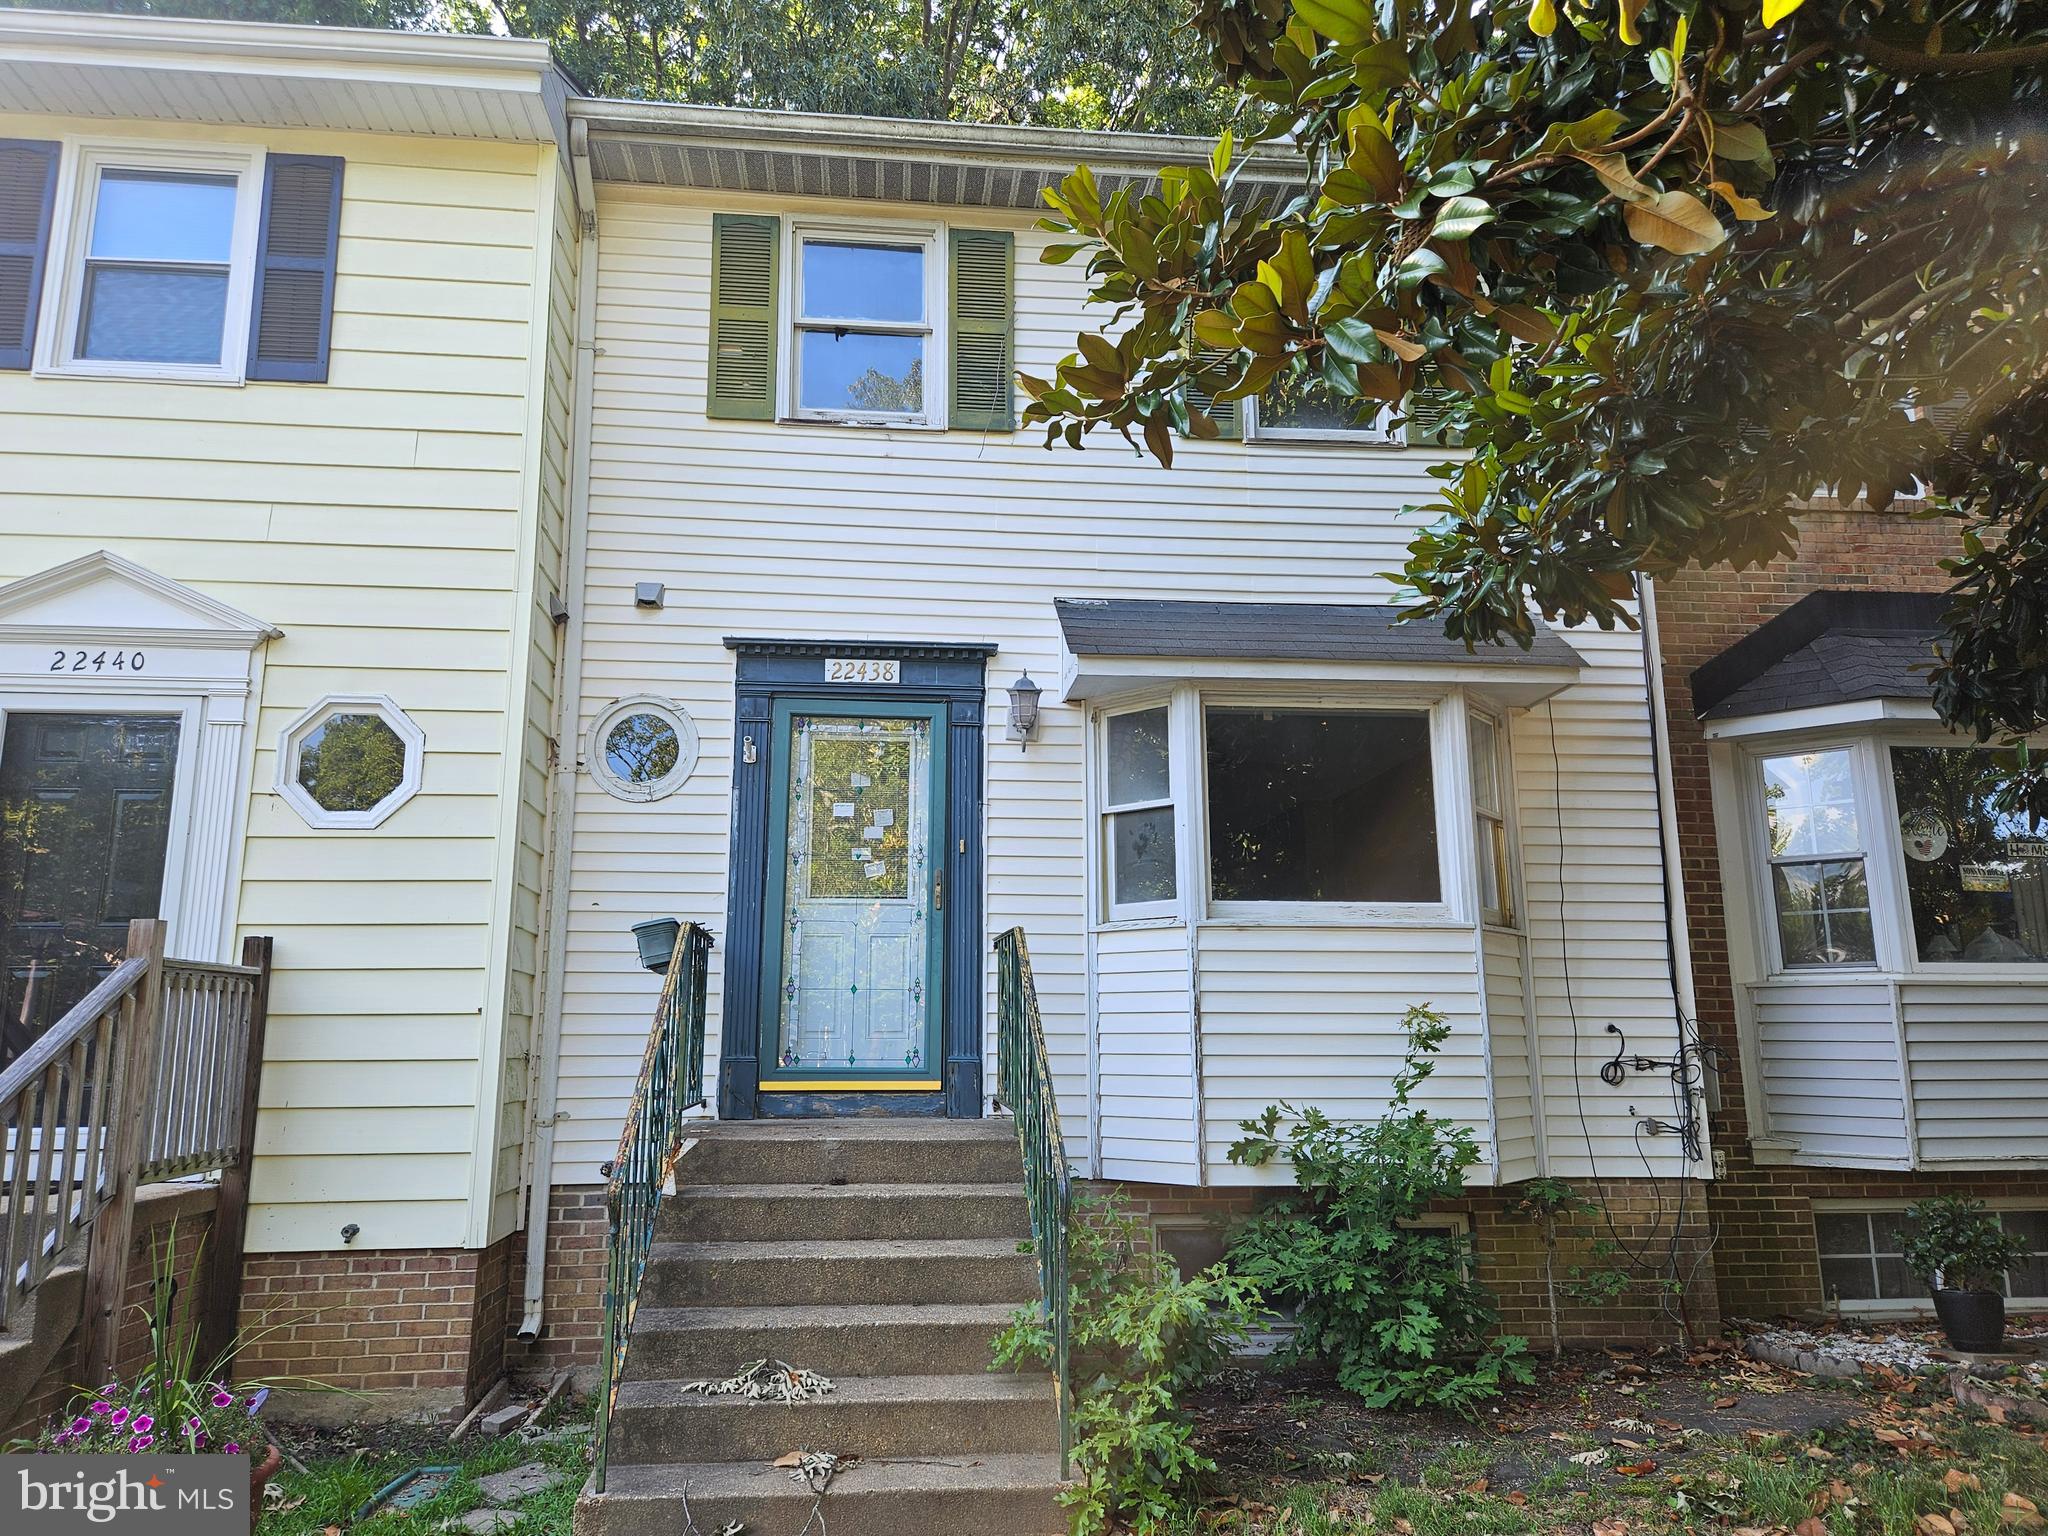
927 237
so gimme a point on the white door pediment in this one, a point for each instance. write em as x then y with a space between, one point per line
119 602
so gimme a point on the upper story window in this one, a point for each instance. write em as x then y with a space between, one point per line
1818 882
1303 409
1320 806
162 264
1976 875
1138 812
863 330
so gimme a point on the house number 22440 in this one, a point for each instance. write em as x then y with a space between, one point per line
97 661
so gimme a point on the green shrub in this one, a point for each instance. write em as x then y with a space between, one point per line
1393 1306
1140 1336
1956 1244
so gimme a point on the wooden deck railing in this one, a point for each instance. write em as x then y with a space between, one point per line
152 1075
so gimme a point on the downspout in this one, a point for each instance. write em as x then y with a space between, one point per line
562 771
1676 926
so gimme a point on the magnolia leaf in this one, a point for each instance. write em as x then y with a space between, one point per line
1219 158
1616 177
1543 18
1100 353
1053 255
1417 266
1741 141
1776 11
1215 328
1381 66
1373 155
1674 221
1627 11
1742 207
1678 38
1406 350
1341 21
1596 128
1351 341
1461 218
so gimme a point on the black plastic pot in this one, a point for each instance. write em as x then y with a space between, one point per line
1973 1320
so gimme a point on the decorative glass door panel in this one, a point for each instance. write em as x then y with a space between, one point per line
856 836
85 822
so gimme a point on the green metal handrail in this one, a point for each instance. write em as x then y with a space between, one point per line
671 1081
1024 1087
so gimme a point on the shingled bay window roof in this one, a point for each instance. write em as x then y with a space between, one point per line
1829 648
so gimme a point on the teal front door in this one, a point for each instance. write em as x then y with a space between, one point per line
852 958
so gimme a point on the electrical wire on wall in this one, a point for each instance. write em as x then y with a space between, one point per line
1684 1070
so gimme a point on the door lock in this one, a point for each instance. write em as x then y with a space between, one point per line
938 893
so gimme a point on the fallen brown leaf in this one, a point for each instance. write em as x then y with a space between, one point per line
1516 1498
1477 1485
1995 1412
1815 1453
2017 1501
1610 1525
1935 1525
1955 1480
1812 1525
1637 1468
1727 1402
790 1459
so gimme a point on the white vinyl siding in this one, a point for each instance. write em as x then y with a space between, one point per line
1978 1055
1144 1055
1507 1030
1829 1053
377 520
811 531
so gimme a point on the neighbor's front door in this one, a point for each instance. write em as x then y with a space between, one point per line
852 958
85 824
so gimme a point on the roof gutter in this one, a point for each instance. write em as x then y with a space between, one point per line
910 138
272 42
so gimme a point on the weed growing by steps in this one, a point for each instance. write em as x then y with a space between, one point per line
1141 1338
1391 1304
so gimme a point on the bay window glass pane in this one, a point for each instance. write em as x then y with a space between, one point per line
1810 799
860 371
1485 766
1141 855
1976 872
163 216
1138 757
1320 805
845 281
153 314
1823 913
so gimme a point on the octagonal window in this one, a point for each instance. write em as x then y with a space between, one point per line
350 761
642 748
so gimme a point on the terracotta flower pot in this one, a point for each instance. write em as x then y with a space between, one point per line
261 1471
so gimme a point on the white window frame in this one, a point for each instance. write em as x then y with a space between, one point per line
294 736
77 199
927 235
1107 811
1377 433
687 748
1907 1305
1452 795
1869 853
1509 916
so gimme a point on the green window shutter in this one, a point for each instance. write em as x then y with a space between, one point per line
1227 414
745 250
1425 410
981 322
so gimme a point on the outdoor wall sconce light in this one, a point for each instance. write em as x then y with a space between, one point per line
649 594
657 941
1024 710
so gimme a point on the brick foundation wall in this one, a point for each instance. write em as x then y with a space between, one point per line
572 1320
1765 1260
158 1209
401 1322
1510 1254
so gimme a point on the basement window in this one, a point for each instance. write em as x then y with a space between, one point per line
1862 1270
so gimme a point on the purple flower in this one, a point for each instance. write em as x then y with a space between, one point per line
222 1398
100 1407
118 1417
232 1449
141 1442
80 1425
143 1423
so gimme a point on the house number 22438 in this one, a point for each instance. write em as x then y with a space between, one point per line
97 661
863 669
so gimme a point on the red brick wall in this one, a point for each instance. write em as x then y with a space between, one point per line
1645 1214
371 1320
1765 1259
573 1317
159 1209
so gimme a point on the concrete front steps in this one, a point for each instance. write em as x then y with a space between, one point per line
881 1253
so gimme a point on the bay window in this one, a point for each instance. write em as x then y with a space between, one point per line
1818 885
1976 872
1490 825
1138 813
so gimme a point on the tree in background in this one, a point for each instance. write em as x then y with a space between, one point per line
1675 264
1061 62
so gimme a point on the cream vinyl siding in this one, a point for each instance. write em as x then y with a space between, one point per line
821 532
377 520
1978 1054
1145 1054
1828 1048
1507 1030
